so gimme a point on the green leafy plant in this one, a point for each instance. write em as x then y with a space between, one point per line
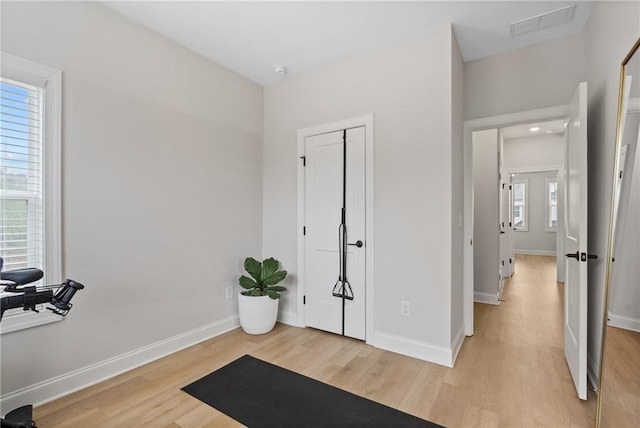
264 277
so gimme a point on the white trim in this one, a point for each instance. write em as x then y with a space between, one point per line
75 380
457 345
52 179
471 126
536 252
24 320
414 348
621 321
534 169
488 298
367 122
289 318
49 78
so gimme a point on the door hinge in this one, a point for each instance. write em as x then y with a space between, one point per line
620 175
510 261
509 186
304 230
304 300
304 160
502 262
502 186
509 224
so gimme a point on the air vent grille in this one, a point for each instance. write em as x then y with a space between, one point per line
542 21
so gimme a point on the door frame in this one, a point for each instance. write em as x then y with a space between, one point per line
367 122
471 126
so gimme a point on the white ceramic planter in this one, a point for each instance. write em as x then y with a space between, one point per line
257 314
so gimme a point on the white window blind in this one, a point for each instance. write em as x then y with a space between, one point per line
21 171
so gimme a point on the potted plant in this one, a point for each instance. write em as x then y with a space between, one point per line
258 302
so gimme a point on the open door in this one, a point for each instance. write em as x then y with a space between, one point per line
575 241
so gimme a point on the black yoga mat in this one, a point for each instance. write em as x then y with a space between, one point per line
260 394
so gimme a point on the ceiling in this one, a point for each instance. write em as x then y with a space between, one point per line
529 129
251 37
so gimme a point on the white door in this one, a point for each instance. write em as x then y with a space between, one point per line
324 171
575 241
510 230
505 207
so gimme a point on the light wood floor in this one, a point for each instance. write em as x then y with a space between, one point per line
621 380
511 373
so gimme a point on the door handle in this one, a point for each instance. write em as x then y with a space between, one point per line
573 256
502 232
583 257
358 244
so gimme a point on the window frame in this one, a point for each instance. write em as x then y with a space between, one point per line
525 226
547 217
50 79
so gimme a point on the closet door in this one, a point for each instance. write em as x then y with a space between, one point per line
325 192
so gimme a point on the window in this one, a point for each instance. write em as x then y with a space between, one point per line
552 205
29 176
519 205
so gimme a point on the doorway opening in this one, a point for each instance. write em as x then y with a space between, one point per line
574 216
470 127
516 178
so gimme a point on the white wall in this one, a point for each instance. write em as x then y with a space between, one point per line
408 88
536 239
162 198
533 153
485 216
457 199
610 34
624 297
538 76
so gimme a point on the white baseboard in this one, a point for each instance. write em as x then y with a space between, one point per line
624 322
536 252
414 348
75 380
289 318
491 299
457 344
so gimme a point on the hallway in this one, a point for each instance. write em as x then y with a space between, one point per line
518 348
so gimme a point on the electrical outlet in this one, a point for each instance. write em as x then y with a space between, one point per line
405 308
230 292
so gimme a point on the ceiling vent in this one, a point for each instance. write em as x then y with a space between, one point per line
542 21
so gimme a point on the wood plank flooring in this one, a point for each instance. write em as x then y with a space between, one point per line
511 373
621 387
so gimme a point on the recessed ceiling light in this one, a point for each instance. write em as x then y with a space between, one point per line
534 129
